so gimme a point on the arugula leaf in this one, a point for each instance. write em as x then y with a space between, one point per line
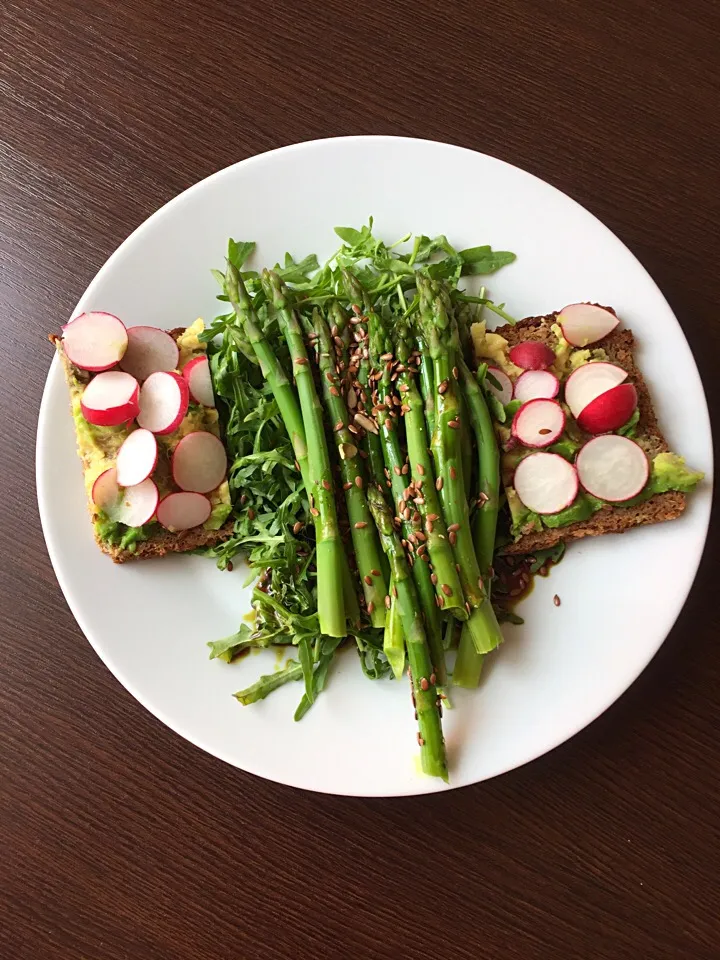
238 252
541 557
292 272
479 261
629 429
229 647
306 662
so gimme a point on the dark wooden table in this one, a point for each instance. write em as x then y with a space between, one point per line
120 840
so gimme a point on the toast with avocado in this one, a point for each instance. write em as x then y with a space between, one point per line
582 453
148 436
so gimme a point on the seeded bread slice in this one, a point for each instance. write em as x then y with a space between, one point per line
163 541
618 346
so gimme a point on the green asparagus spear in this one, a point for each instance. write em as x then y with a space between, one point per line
423 476
442 342
272 369
364 536
381 360
488 472
427 704
394 638
329 549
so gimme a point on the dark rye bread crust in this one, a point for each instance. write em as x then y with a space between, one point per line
162 542
663 506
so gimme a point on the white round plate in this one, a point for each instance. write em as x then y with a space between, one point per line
149 621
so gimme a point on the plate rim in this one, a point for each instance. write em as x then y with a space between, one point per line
424 785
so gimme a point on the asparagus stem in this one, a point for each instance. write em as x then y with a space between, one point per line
271 368
362 530
488 473
422 472
329 550
398 471
443 348
427 704
427 386
269 682
394 639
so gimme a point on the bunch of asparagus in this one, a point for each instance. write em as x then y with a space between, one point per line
391 434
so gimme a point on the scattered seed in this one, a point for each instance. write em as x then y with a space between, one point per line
360 525
455 372
421 469
407 494
243 500
229 566
346 486
441 602
481 585
453 473
544 431
314 511
371 607
352 398
388 601
388 424
297 527
368 579
452 537
301 361
338 426
366 423
434 579
326 485
404 470
404 387
420 535
396 471
329 377
406 513
443 387
454 424
439 483
453 527
353 429
420 740
429 526
424 685
251 514
433 679
395 593
556 600
334 391
358 482
467 607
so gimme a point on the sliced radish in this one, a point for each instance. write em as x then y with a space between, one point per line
610 410
588 382
536 385
136 458
132 506
532 355
545 482
538 423
199 462
149 350
183 511
199 381
163 402
584 323
110 399
613 468
504 394
95 341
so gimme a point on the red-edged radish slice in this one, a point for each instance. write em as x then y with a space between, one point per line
536 385
538 423
584 323
95 341
610 410
110 399
545 482
183 511
136 458
149 350
532 355
588 382
504 394
132 506
199 381
613 468
199 462
163 402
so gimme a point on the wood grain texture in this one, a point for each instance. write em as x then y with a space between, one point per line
120 840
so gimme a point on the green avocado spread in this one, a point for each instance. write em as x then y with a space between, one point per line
98 448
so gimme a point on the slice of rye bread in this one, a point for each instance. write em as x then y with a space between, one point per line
618 346
163 541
